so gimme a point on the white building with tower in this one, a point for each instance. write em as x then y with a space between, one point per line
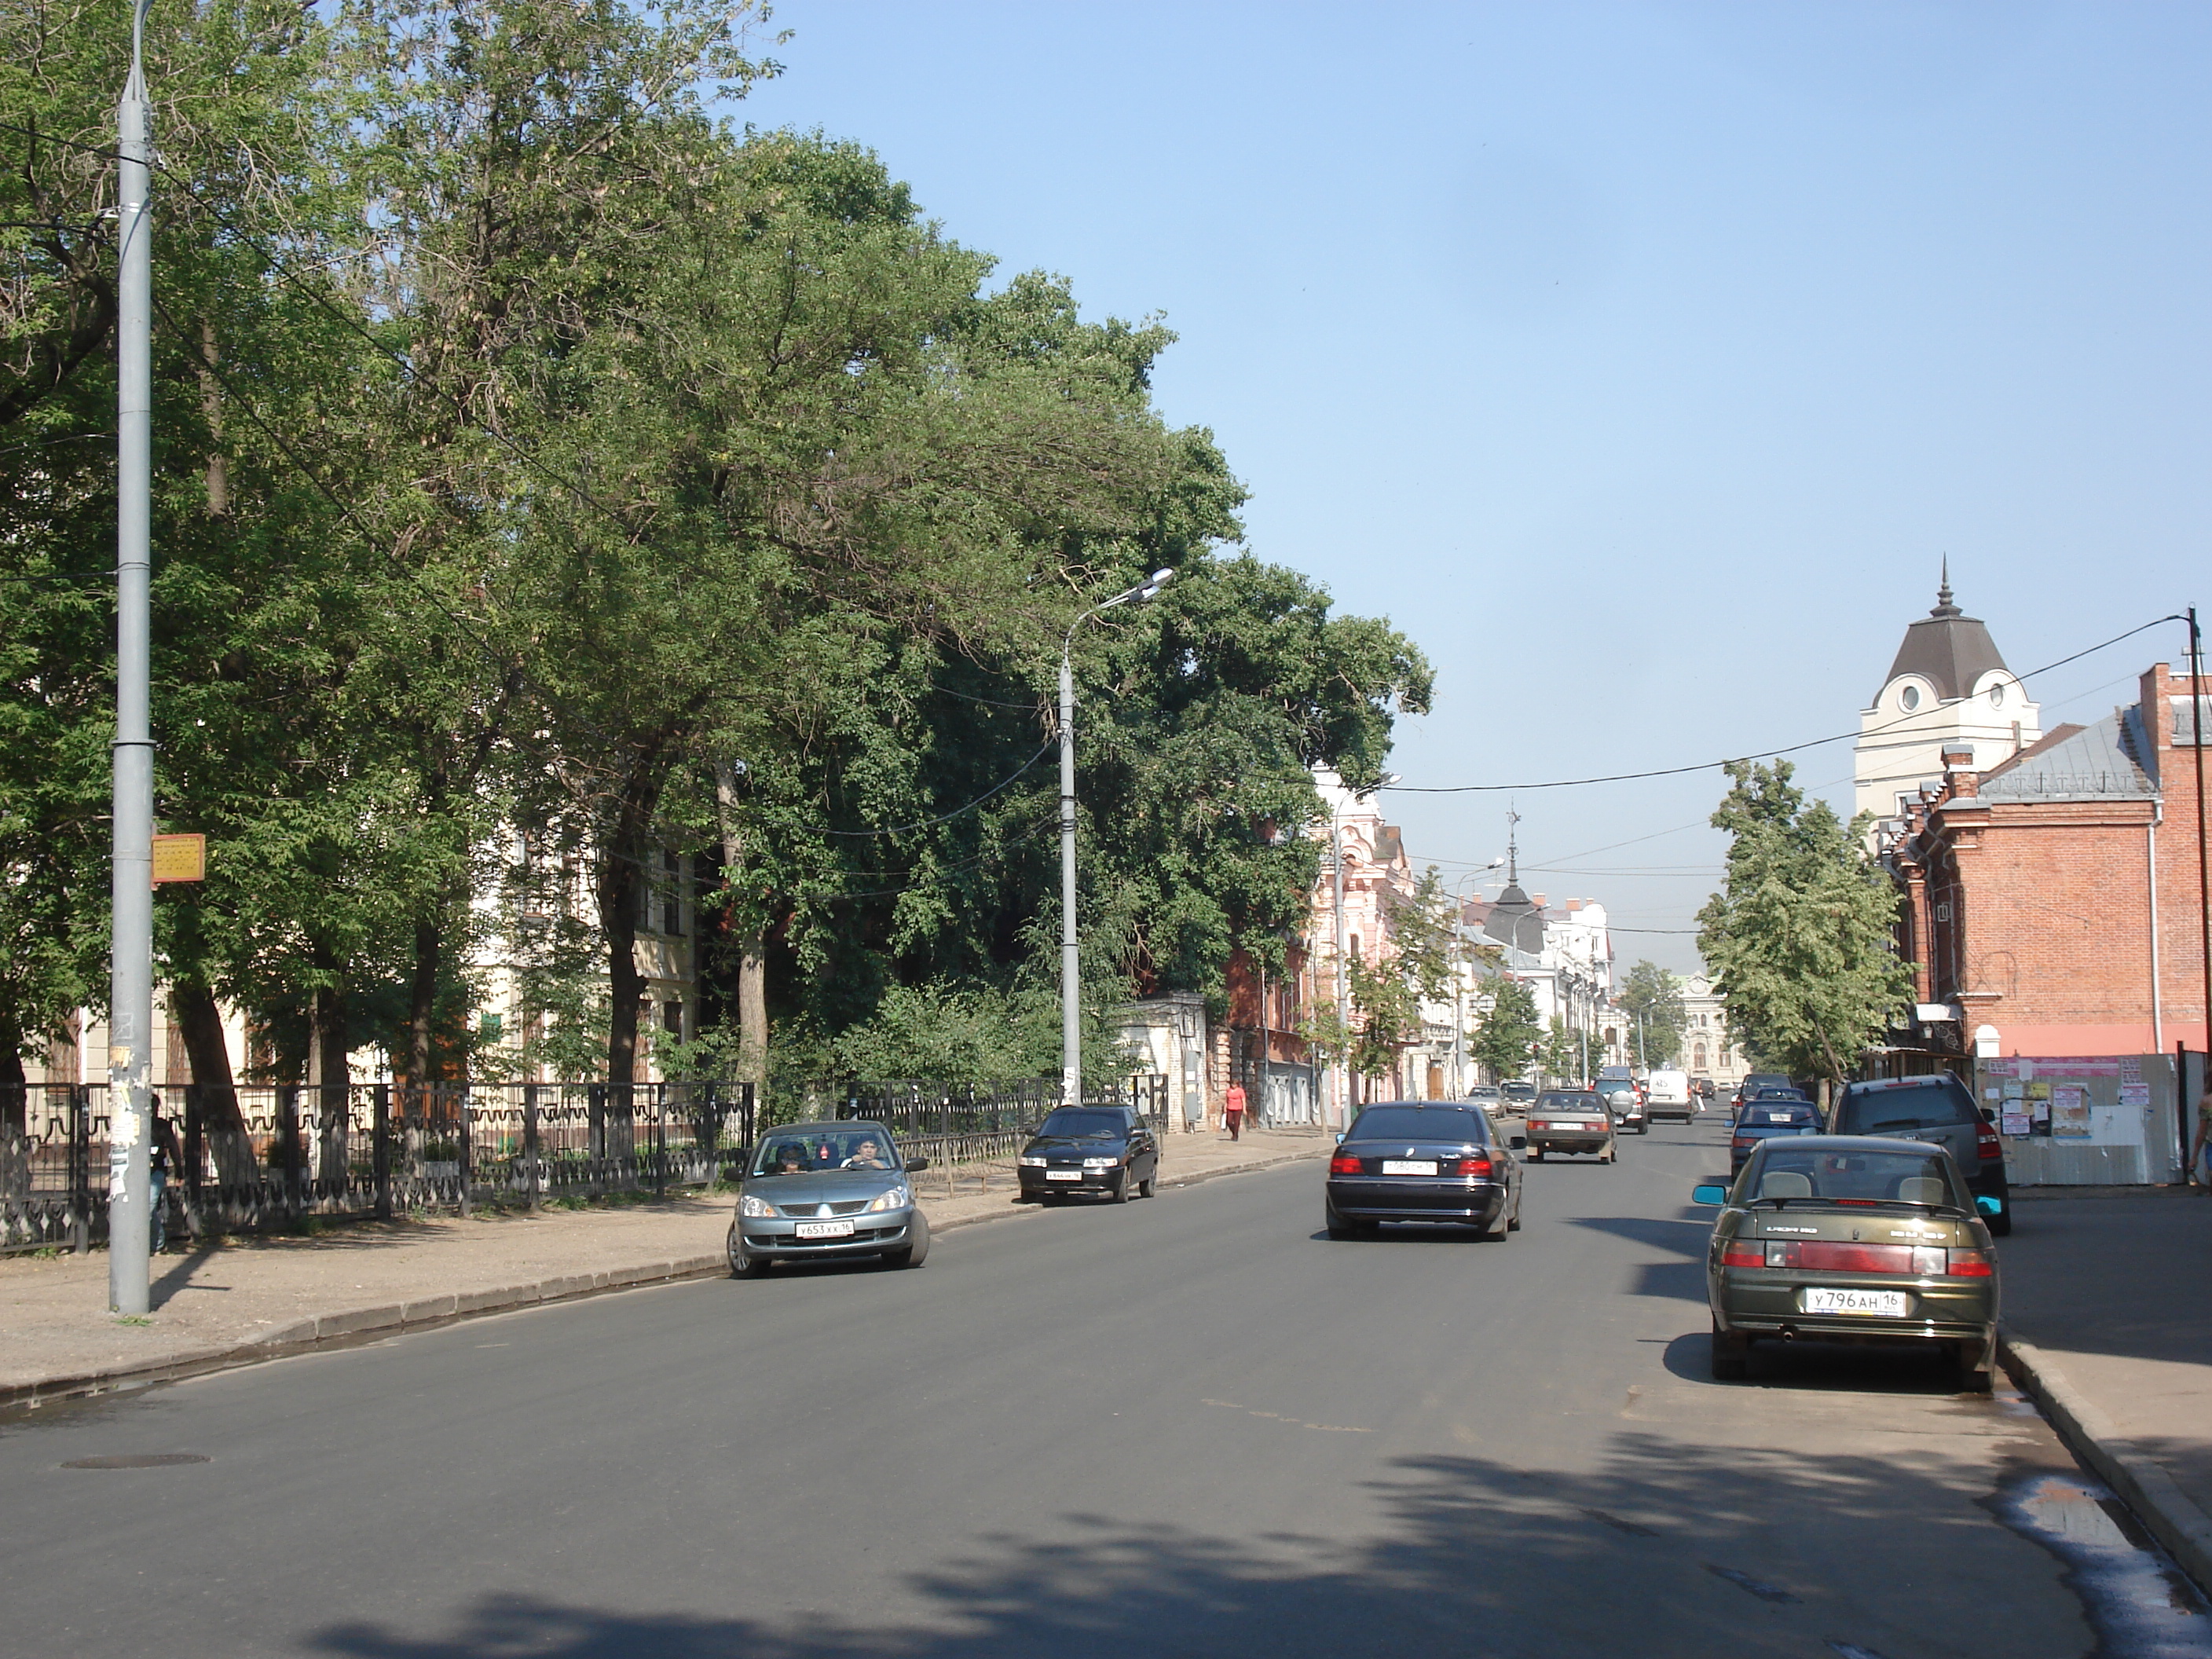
1947 689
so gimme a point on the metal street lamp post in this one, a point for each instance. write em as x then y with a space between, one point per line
131 968
1071 966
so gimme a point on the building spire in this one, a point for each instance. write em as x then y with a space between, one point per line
1512 848
1943 605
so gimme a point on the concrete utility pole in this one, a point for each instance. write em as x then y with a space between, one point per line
1071 961
1343 980
2197 729
130 984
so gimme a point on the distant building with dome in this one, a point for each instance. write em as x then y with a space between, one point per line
1949 689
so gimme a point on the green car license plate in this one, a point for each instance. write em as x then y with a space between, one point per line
1883 1304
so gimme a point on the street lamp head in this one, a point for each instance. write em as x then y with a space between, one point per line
1158 579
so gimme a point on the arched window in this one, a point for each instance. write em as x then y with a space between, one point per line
1700 1061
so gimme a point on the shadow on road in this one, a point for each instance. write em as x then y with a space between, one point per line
1821 1367
1663 1549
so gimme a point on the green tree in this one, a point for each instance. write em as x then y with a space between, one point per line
1506 1038
1653 999
1562 1052
1801 936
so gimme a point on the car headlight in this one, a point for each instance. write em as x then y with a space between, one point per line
1100 1162
892 1198
754 1206
1028 1163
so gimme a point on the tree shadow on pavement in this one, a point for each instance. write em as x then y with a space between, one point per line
1663 1548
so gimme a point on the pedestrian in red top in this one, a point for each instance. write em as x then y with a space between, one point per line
1232 1109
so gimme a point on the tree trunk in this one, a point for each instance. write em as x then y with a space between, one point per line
15 1089
330 1082
199 1022
621 880
752 959
422 997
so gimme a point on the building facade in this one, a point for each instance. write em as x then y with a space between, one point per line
1947 687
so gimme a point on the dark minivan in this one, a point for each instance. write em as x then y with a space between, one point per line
1422 1161
1939 1110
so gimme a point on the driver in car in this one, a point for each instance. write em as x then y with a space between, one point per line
867 1156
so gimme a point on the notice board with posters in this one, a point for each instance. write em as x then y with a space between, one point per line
2083 1119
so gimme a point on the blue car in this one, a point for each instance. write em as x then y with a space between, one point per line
1767 1119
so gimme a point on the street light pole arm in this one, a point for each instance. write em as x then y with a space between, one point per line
1070 960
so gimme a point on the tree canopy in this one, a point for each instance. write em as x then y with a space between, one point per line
566 500
1802 935
1653 997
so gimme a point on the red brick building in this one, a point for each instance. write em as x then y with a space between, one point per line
2053 901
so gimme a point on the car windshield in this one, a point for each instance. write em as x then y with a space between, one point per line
1613 1085
1517 1091
806 1151
1936 1103
1793 1171
1558 1102
1795 1114
1079 1123
1454 1126
1758 1080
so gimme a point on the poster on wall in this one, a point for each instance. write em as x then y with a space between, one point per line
2069 1113
2015 1123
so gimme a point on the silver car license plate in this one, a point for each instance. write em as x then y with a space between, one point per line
824 1229
1063 1175
1409 1166
1886 1304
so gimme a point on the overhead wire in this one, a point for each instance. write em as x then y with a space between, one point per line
1761 754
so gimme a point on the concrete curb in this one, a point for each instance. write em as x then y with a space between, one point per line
351 1327
2172 1516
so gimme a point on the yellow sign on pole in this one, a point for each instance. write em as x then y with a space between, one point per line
180 858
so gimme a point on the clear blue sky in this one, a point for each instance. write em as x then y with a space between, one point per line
1640 361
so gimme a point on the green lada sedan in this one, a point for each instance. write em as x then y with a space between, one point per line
1837 1238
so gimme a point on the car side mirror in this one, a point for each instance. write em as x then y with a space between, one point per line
1988 1116
1339 1140
1989 1205
1709 1191
914 1164
1518 1143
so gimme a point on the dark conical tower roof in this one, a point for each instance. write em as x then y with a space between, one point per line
1947 647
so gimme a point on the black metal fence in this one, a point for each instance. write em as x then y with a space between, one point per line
968 1123
362 1150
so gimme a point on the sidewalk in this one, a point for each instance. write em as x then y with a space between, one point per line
250 1299
2108 1323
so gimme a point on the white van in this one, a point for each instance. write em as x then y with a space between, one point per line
1668 1095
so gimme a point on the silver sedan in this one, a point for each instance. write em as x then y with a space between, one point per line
827 1191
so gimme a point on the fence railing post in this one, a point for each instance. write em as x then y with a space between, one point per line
464 1121
79 1169
660 1140
381 1150
529 1144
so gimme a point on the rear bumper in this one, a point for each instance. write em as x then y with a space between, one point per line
1567 1140
1766 1301
1414 1198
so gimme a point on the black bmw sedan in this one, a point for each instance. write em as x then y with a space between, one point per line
1101 1150
1435 1161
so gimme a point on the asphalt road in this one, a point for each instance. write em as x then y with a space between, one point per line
1187 1425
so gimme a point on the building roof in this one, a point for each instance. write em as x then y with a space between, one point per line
2074 762
1512 920
1947 647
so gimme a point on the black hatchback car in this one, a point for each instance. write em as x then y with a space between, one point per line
1422 1161
1105 1152
1940 1110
